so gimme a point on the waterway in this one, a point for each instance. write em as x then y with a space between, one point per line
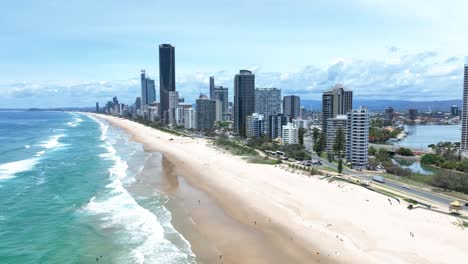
420 136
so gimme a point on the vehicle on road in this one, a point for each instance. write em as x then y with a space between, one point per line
406 187
378 179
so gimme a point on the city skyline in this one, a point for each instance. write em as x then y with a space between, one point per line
75 61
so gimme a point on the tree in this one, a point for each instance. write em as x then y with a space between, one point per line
301 133
339 143
372 151
319 144
404 152
340 166
315 134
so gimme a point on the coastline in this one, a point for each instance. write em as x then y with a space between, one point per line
262 214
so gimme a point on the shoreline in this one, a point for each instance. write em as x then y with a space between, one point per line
301 218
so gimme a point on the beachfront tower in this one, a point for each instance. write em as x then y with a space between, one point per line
336 101
464 136
357 138
244 100
166 78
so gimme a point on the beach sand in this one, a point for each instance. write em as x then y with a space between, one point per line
253 213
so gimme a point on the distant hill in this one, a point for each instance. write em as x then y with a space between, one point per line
398 105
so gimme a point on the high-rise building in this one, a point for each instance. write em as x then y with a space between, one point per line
173 103
138 103
212 87
413 114
464 129
220 94
189 118
244 100
255 125
148 92
290 134
336 101
206 113
357 139
97 107
339 122
291 106
454 110
166 78
389 113
268 101
275 125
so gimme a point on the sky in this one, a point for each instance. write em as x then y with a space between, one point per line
78 52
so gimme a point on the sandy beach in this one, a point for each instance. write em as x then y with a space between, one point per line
253 213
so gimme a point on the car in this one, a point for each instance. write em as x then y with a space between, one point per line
406 187
466 204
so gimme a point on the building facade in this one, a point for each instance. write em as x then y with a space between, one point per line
357 139
389 113
166 78
412 114
189 118
244 100
255 125
268 101
339 122
275 125
220 94
148 91
464 129
206 113
290 134
291 106
336 101
454 110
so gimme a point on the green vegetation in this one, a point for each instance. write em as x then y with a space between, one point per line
293 151
380 135
234 147
263 160
404 152
451 181
382 157
301 133
319 143
445 156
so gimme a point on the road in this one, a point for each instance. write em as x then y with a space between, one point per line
427 195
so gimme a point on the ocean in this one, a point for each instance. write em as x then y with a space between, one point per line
69 194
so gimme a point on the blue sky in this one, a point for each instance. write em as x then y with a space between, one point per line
74 53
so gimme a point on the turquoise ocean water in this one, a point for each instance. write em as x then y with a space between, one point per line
65 195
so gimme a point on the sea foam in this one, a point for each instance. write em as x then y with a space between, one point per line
9 170
52 142
137 228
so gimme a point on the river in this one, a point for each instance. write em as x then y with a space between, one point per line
420 136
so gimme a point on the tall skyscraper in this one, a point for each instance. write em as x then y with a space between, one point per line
206 113
291 106
357 139
244 100
173 103
189 118
166 78
212 87
97 107
268 101
275 125
220 94
464 136
336 101
148 91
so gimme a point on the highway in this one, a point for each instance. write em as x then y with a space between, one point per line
431 197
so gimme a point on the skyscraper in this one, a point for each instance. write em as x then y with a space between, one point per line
212 87
357 139
291 106
97 107
389 113
268 101
290 134
244 100
336 101
464 136
412 113
275 125
220 94
148 91
333 124
166 78
205 112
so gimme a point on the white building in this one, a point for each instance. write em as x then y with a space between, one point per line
190 118
301 123
179 116
219 110
357 138
153 113
464 128
333 124
290 134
